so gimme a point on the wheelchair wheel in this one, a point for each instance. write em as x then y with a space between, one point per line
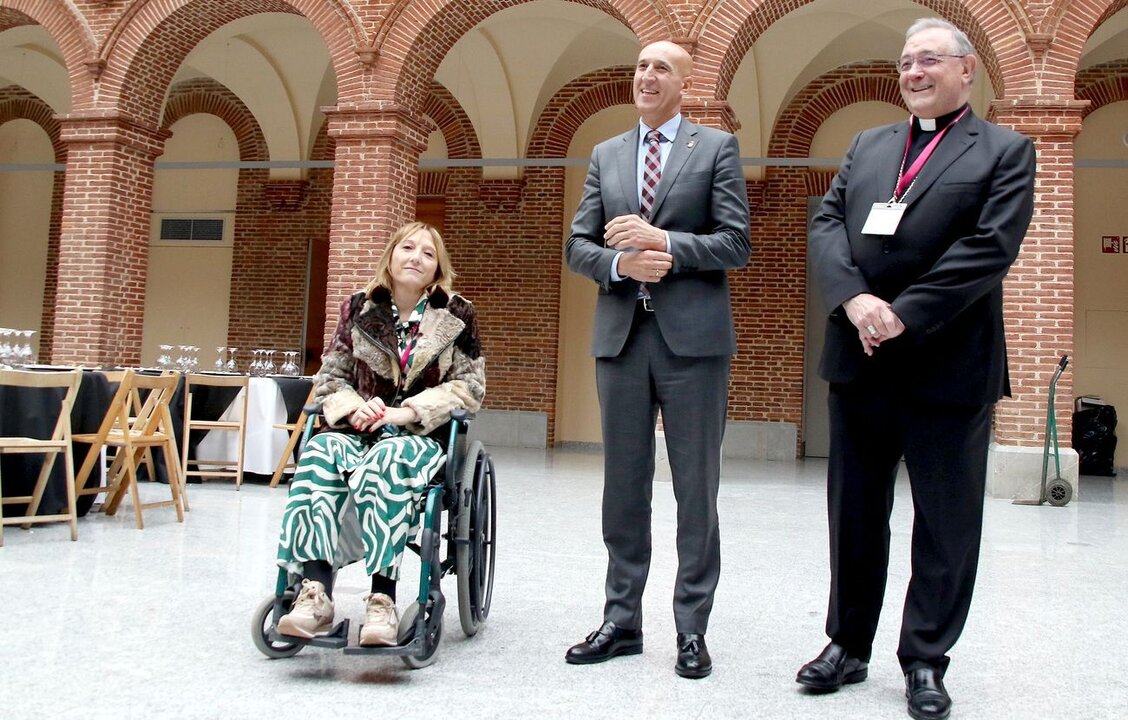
407 630
260 625
474 554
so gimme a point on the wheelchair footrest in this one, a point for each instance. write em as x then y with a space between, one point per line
410 648
337 639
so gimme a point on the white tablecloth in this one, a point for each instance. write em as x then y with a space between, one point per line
265 444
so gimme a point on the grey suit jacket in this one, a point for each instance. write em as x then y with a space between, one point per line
702 201
942 270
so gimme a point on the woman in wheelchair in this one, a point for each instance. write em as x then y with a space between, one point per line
404 355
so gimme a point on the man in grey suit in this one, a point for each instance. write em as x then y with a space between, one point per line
664 215
910 247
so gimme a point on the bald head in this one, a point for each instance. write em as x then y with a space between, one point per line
661 79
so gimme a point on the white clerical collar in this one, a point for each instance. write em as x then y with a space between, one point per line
927 124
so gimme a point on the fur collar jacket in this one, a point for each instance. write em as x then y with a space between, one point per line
362 361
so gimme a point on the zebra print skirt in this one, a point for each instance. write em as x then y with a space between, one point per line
352 498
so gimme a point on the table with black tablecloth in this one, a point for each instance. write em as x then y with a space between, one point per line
32 412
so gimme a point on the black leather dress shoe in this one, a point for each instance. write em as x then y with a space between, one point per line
831 669
928 700
693 656
605 643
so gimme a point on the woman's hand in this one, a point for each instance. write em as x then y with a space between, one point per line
398 416
374 415
367 417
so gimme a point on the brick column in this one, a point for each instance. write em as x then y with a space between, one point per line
1038 299
374 185
104 239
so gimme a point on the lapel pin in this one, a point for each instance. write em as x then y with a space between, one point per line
691 143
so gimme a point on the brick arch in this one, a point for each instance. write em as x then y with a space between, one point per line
67 27
152 38
205 95
721 49
866 81
428 33
1103 84
453 122
17 103
573 104
1077 23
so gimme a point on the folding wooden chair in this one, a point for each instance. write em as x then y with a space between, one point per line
286 460
50 448
236 424
132 436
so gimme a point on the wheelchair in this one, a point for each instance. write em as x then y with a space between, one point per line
465 489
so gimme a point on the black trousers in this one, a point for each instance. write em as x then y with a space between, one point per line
945 450
692 393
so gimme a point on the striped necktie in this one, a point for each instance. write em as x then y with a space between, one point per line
651 172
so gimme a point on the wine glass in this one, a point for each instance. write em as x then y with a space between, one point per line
183 358
24 354
164 358
268 366
290 367
220 362
6 351
232 366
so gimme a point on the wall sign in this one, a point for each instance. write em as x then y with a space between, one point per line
1112 243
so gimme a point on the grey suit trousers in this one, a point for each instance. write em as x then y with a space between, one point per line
692 395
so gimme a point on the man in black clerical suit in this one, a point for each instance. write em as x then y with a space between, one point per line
910 247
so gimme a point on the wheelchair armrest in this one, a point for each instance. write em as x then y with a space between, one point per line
312 409
462 415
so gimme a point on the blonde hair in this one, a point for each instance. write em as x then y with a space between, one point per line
444 272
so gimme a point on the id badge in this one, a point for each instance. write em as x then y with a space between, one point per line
884 218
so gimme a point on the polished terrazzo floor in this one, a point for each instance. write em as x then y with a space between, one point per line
156 623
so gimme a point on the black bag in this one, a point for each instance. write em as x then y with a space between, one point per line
1094 439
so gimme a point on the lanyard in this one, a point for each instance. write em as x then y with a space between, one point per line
906 179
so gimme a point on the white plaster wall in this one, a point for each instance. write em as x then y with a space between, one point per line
25 217
189 286
577 405
1100 334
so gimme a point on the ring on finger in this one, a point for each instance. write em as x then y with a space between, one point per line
871 329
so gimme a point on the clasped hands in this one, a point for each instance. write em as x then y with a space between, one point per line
374 414
644 258
874 318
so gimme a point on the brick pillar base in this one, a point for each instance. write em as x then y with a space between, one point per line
104 239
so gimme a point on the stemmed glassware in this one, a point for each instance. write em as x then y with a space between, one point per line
220 362
7 352
164 358
290 366
232 366
268 366
23 353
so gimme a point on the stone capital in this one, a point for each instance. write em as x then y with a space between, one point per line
361 122
1039 115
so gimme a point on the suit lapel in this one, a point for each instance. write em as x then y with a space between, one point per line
888 163
627 163
684 143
